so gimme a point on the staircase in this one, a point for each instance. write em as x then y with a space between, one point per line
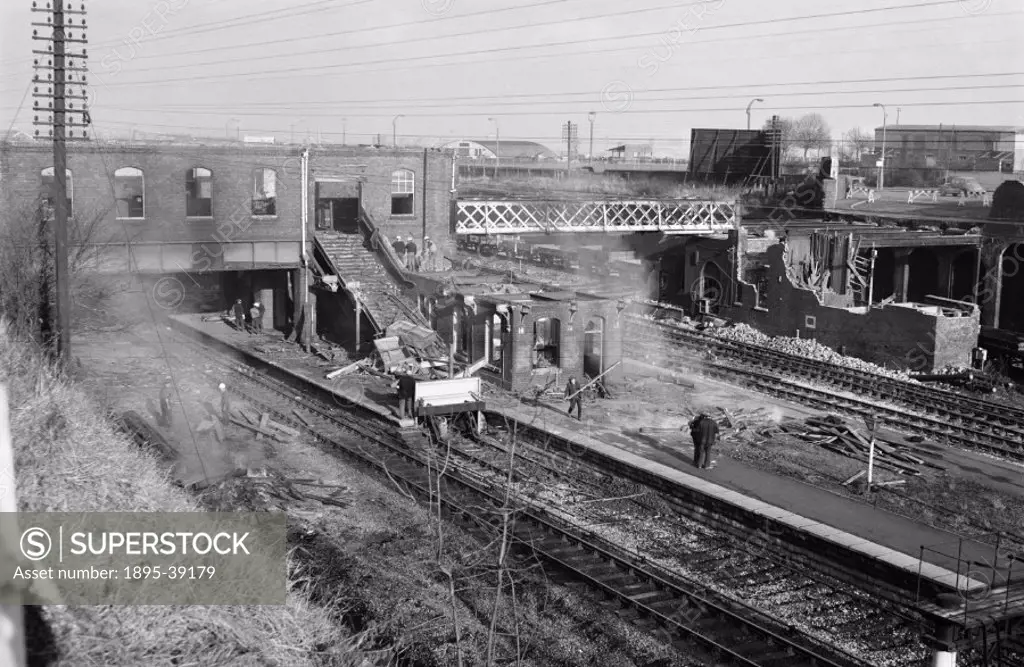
350 257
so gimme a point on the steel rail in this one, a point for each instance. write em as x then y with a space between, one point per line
415 466
918 394
969 430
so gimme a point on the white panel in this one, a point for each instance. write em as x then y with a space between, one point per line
448 392
265 252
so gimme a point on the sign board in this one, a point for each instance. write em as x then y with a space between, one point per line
870 422
879 163
448 392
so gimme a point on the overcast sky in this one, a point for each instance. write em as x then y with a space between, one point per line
650 69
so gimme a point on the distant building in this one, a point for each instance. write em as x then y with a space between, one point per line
632 151
953 147
511 150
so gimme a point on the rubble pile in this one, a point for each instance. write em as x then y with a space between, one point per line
804 347
269 490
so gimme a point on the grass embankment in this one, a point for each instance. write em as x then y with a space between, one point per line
588 186
68 458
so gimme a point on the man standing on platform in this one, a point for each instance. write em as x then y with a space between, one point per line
575 398
256 312
412 258
238 310
429 250
406 384
704 432
399 246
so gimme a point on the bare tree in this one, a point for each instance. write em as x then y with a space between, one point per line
811 131
859 141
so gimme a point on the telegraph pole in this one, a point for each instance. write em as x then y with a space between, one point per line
61 68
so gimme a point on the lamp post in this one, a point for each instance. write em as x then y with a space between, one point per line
497 137
881 173
238 128
748 109
591 117
394 129
344 131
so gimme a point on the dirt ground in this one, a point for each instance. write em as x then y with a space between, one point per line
372 561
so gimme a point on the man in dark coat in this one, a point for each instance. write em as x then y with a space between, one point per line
238 310
411 258
575 398
406 393
704 432
166 394
399 246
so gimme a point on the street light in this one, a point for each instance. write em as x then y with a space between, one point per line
881 172
748 109
497 136
394 129
591 117
238 129
344 131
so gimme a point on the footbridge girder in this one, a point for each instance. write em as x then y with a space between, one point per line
669 216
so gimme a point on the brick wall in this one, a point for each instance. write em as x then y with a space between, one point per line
899 336
202 242
373 168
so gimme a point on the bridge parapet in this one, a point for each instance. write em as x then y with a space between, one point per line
670 216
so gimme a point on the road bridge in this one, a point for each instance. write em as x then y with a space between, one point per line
626 216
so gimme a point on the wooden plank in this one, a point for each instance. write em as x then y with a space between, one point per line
301 418
287 430
854 478
342 371
258 431
264 421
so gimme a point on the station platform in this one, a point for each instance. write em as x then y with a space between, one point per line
847 525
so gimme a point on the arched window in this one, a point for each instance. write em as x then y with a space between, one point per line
130 189
403 188
49 183
547 338
264 198
199 193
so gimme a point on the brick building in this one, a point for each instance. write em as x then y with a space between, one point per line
226 220
981 148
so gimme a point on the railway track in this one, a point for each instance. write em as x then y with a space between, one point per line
732 632
959 420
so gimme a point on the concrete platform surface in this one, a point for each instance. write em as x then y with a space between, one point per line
876 533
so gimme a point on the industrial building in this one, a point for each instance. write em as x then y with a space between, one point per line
975 148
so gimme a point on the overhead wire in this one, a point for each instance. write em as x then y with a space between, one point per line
269 73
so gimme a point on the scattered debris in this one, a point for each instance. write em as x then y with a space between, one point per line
832 433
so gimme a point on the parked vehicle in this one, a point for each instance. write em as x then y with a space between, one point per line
961 186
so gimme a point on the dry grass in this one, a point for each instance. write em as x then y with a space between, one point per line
576 186
69 459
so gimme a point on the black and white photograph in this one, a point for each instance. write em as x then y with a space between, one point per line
511 333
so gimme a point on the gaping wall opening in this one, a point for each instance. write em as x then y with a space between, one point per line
711 286
547 342
593 347
924 274
1011 289
884 280
962 280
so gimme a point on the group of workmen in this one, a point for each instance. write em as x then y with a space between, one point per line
167 391
410 256
249 319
